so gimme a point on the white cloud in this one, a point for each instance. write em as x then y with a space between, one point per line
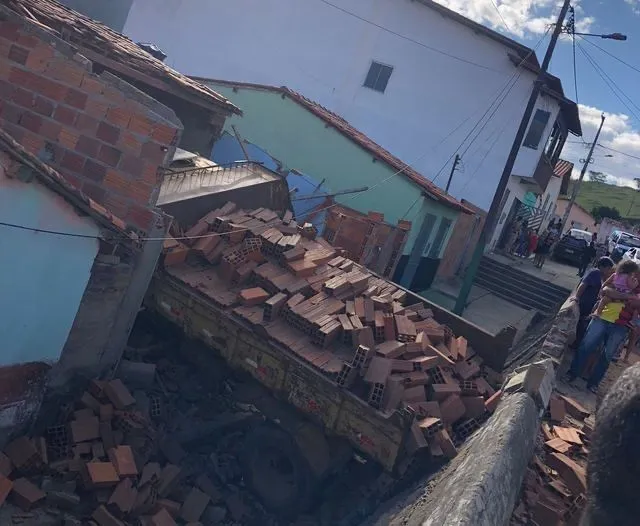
617 133
635 5
523 17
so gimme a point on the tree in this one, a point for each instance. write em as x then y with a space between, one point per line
600 212
597 177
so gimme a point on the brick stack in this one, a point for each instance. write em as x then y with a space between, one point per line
96 466
101 134
360 330
556 481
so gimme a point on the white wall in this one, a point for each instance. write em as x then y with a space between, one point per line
431 102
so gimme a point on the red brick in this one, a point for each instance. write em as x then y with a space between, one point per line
68 138
5 465
91 85
94 171
164 134
140 217
5 488
9 30
88 400
132 166
446 444
23 97
452 409
12 113
122 458
6 90
31 121
254 296
32 142
51 89
118 116
102 516
86 124
29 41
118 394
94 191
169 477
22 452
172 507
43 106
153 152
492 401
25 494
194 505
83 413
162 518
50 129
39 59
140 124
130 144
65 115
85 430
20 77
18 54
102 474
106 412
87 146
474 406
140 192
64 70
108 133
96 108
124 497
204 483
76 99
109 155
72 161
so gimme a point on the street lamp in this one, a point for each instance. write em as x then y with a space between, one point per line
610 36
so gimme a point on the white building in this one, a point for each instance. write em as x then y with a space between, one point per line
418 78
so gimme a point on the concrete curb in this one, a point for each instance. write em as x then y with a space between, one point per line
481 485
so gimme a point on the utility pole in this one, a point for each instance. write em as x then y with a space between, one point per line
453 169
576 187
494 209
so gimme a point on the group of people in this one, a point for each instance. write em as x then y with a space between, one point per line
609 302
523 241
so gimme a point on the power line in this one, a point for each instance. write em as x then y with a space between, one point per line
635 68
610 83
620 152
501 17
409 39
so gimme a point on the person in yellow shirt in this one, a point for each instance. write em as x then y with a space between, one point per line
609 328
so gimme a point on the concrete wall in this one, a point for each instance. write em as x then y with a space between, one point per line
42 276
302 141
112 12
102 134
425 112
583 220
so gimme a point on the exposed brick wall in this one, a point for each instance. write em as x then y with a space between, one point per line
461 245
106 137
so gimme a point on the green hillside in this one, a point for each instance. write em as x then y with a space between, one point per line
625 199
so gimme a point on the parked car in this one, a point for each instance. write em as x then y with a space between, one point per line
633 254
620 243
571 246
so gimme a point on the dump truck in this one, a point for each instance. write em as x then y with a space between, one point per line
345 362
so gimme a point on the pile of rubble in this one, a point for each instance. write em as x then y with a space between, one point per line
350 325
554 488
116 461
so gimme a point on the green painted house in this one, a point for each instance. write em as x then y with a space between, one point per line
306 137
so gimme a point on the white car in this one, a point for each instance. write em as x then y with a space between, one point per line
632 254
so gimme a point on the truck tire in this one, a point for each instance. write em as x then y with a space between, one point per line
276 471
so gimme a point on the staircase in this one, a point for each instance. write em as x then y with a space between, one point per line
520 288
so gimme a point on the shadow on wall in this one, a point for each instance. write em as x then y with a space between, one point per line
302 187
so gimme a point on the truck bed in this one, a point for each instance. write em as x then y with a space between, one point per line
279 356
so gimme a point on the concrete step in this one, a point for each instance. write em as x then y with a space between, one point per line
519 298
506 270
519 284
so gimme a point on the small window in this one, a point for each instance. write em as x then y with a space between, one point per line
378 77
536 129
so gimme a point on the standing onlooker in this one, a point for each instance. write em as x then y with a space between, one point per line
588 253
587 294
610 328
533 242
512 235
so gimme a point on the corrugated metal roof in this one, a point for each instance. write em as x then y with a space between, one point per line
102 41
358 137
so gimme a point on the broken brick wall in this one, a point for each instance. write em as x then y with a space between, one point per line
102 134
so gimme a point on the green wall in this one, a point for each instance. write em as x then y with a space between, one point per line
302 141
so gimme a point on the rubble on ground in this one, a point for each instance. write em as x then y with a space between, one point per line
554 489
363 332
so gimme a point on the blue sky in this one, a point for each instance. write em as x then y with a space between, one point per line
527 20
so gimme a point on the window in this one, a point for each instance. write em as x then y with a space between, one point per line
441 235
536 129
378 77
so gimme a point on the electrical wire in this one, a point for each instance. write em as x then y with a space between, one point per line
635 68
501 17
575 69
409 39
611 83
